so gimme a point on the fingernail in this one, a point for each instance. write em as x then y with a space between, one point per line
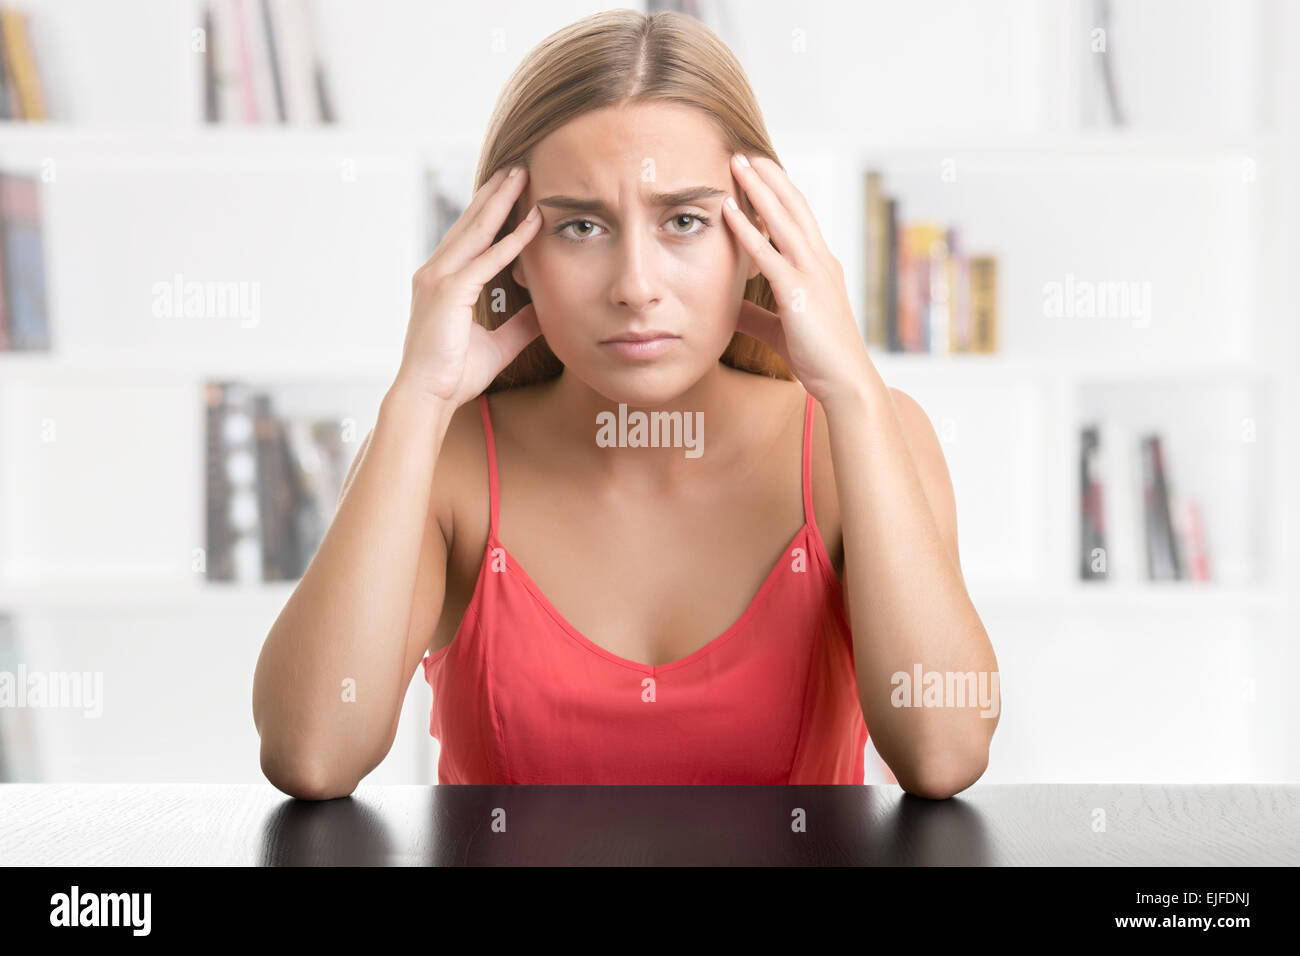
730 203
740 158
533 214
514 171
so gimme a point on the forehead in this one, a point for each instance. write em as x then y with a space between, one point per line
672 142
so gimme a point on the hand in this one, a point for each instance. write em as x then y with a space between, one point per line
815 332
447 355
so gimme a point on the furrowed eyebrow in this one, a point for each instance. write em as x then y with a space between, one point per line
678 197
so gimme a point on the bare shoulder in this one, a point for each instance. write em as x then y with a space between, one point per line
460 493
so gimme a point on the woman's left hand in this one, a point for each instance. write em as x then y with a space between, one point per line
815 332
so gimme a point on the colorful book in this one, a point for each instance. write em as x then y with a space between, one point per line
22 275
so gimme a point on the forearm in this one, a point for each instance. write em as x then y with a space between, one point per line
909 605
348 617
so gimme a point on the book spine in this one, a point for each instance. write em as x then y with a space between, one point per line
1092 528
940 315
1161 560
224 42
19 55
211 112
292 27
1191 538
1165 511
983 303
218 564
273 60
244 59
956 292
21 237
6 89
895 269
875 299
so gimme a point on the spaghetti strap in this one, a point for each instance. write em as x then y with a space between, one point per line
490 440
807 464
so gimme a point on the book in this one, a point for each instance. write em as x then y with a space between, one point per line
927 256
234 551
923 289
983 303
1092 532
223 54
273 485
20 64
18 744
1191 538
1121 502
1163 562
876 292
959 337
895 265
22 273
211 108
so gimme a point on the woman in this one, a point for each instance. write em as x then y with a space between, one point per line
672 607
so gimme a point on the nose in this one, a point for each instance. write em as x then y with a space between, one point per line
636 285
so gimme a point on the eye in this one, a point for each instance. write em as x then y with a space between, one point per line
559 230
703 221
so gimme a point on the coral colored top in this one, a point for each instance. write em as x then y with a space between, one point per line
521 697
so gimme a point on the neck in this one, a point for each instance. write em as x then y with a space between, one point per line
711 414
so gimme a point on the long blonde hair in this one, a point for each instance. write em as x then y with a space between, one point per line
613 58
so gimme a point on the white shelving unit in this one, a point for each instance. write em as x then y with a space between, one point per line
97 527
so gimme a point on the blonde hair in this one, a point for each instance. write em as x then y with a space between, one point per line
610 59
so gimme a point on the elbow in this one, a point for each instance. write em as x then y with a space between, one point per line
945 778
304 781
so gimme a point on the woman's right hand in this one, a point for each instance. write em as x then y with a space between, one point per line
447 355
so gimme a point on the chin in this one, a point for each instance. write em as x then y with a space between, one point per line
641 386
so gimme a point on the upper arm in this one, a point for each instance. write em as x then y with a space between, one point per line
927 453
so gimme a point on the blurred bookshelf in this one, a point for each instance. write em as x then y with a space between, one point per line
104 497
938 177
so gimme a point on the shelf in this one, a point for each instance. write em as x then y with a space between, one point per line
142 595
1002 369
362 367
1188 597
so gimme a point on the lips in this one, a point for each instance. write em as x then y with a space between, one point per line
641 336
659 343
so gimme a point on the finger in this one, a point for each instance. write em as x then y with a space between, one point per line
512 335
481 196
769 260
787 233
488 264
757 322
480 228
794 201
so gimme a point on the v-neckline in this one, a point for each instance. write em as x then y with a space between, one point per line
540 596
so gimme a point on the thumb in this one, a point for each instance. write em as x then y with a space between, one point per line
515 333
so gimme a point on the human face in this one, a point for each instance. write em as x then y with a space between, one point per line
612 257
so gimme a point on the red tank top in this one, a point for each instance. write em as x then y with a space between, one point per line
520 696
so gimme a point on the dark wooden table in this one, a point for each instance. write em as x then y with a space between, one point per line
995 825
